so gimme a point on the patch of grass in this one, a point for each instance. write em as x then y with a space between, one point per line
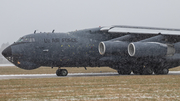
175 69
153 87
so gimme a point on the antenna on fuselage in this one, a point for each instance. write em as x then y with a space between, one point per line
34 31
53 31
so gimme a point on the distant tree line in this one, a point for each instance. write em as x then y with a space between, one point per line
2 59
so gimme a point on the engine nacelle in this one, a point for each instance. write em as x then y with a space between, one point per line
113 47
151 49
177 47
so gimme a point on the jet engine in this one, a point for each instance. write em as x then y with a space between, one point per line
113 47
151 49
177 47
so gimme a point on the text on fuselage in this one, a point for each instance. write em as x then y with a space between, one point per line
56 40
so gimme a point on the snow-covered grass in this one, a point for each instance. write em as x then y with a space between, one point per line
152 87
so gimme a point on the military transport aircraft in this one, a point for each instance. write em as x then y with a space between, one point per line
141 50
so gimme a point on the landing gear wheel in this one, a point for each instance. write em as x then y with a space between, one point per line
128 72
64 72
58 72
124 71
157 72
161 71
147 71
136 72
119 72
165 71
61 72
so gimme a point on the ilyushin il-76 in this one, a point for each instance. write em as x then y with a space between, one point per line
141 50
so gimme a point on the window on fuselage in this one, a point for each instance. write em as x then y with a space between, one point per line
26 39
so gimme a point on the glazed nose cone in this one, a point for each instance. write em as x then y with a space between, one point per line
7 52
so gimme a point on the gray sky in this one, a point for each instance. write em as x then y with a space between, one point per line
21 17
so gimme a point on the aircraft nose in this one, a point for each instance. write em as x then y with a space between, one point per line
7 52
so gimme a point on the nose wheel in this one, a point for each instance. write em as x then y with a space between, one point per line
61 72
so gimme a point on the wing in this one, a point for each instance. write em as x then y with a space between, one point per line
141 49
140 39
141 30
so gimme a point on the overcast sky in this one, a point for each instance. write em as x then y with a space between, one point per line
21 17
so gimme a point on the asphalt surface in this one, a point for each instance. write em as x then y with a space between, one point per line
28 76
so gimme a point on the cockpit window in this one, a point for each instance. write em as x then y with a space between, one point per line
20 40
26 39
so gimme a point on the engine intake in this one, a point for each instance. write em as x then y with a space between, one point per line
113 47
102 48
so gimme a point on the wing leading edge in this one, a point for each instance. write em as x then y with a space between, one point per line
141 30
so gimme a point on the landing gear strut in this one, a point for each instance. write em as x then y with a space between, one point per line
61 72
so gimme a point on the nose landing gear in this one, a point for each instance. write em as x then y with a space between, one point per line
61 72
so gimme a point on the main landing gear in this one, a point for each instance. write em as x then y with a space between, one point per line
124 71
143 71
61 72
161 71
139 70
